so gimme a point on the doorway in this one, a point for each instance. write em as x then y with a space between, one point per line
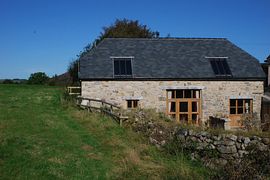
184 105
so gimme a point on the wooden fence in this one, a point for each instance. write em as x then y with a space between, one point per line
101 106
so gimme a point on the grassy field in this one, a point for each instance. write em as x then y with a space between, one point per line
44 137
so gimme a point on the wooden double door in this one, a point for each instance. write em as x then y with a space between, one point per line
184 105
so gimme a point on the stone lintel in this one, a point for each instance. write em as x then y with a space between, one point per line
182 87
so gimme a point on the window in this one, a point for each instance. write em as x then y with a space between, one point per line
220 67
240 106
132 104
184 105
122 66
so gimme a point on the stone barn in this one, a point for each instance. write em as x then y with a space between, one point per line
189 79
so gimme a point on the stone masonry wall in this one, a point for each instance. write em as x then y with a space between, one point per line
152 94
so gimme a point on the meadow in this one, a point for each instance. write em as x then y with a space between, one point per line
43 136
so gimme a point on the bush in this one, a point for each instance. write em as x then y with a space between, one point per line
7 81
250 122
38 78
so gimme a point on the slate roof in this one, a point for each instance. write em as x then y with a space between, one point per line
169 58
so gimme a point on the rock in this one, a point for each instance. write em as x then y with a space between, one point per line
266 141
194 156
204 134
227 156
193 139
262 147
246 140
227 149
202 146
217 138
217 142
228 143
256 138
238 145
208 140
211 146
235 155
239 138
183 132
231 137
163 143
153 141
241 153
253 143
221 162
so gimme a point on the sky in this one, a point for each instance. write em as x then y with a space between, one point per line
46 35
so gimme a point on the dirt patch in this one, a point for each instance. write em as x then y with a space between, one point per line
87 147
93 156
56 160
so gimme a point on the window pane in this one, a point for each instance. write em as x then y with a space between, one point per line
169 94
196 94
116 67
128 67
171 106
240 110
122 67
214 66
129 103
179 93
226 67
232 102
194 117
173 93
183 106
240 102
247 106
135 103
195 106
220 67
187 94
232 110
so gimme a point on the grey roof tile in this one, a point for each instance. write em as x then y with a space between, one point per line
169 58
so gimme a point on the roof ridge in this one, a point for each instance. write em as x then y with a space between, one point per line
173 38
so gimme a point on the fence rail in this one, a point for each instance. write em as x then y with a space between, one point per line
74 90
102 106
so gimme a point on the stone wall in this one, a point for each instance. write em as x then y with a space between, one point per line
152 94
227 146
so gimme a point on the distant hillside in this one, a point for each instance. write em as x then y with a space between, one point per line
13 81
61 80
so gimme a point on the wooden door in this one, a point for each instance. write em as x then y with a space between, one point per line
237 108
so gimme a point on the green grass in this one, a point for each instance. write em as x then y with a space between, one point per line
44 137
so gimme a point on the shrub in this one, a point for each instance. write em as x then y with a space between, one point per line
38 78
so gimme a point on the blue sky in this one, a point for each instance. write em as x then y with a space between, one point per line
45 35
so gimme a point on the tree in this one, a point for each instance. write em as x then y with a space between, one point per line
38 78
121 28
73 71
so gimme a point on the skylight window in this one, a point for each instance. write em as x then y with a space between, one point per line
122 66
220 66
